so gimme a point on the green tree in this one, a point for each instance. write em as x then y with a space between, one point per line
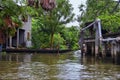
9 16
70 35
59 42
11 10
103 9
40 38
52 21
110 22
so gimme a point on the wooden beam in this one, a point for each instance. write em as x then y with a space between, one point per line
89 26
111 39
93 40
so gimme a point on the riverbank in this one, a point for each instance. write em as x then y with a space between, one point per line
25 50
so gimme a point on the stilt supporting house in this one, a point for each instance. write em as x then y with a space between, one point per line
17 45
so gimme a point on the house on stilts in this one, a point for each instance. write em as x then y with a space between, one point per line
98 43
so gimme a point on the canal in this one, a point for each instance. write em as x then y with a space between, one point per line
67 66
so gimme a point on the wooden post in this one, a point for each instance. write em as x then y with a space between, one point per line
119 47
103 50
118 54
17 43
81 40
92 48
96 41
99 29
6 40
114 50
99 33
10 41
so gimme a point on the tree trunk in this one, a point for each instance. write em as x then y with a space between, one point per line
51 40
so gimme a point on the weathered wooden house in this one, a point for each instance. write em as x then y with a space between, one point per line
98 43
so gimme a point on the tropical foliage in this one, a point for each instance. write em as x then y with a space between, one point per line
66 38
9 16
12 10
106 10
48 29
51 23
70 35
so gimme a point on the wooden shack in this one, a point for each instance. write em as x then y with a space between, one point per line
98 43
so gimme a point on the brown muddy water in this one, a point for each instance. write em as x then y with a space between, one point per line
67 66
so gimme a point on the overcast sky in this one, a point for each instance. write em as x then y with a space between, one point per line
75 4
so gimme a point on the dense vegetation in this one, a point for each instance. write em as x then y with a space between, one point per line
48 22
65 38
107 10
49 29
14 12
9 16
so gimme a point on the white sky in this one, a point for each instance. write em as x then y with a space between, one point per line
76 4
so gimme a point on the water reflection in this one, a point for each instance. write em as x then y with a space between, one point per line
68 66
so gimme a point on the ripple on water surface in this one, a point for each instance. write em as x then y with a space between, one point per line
68 66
